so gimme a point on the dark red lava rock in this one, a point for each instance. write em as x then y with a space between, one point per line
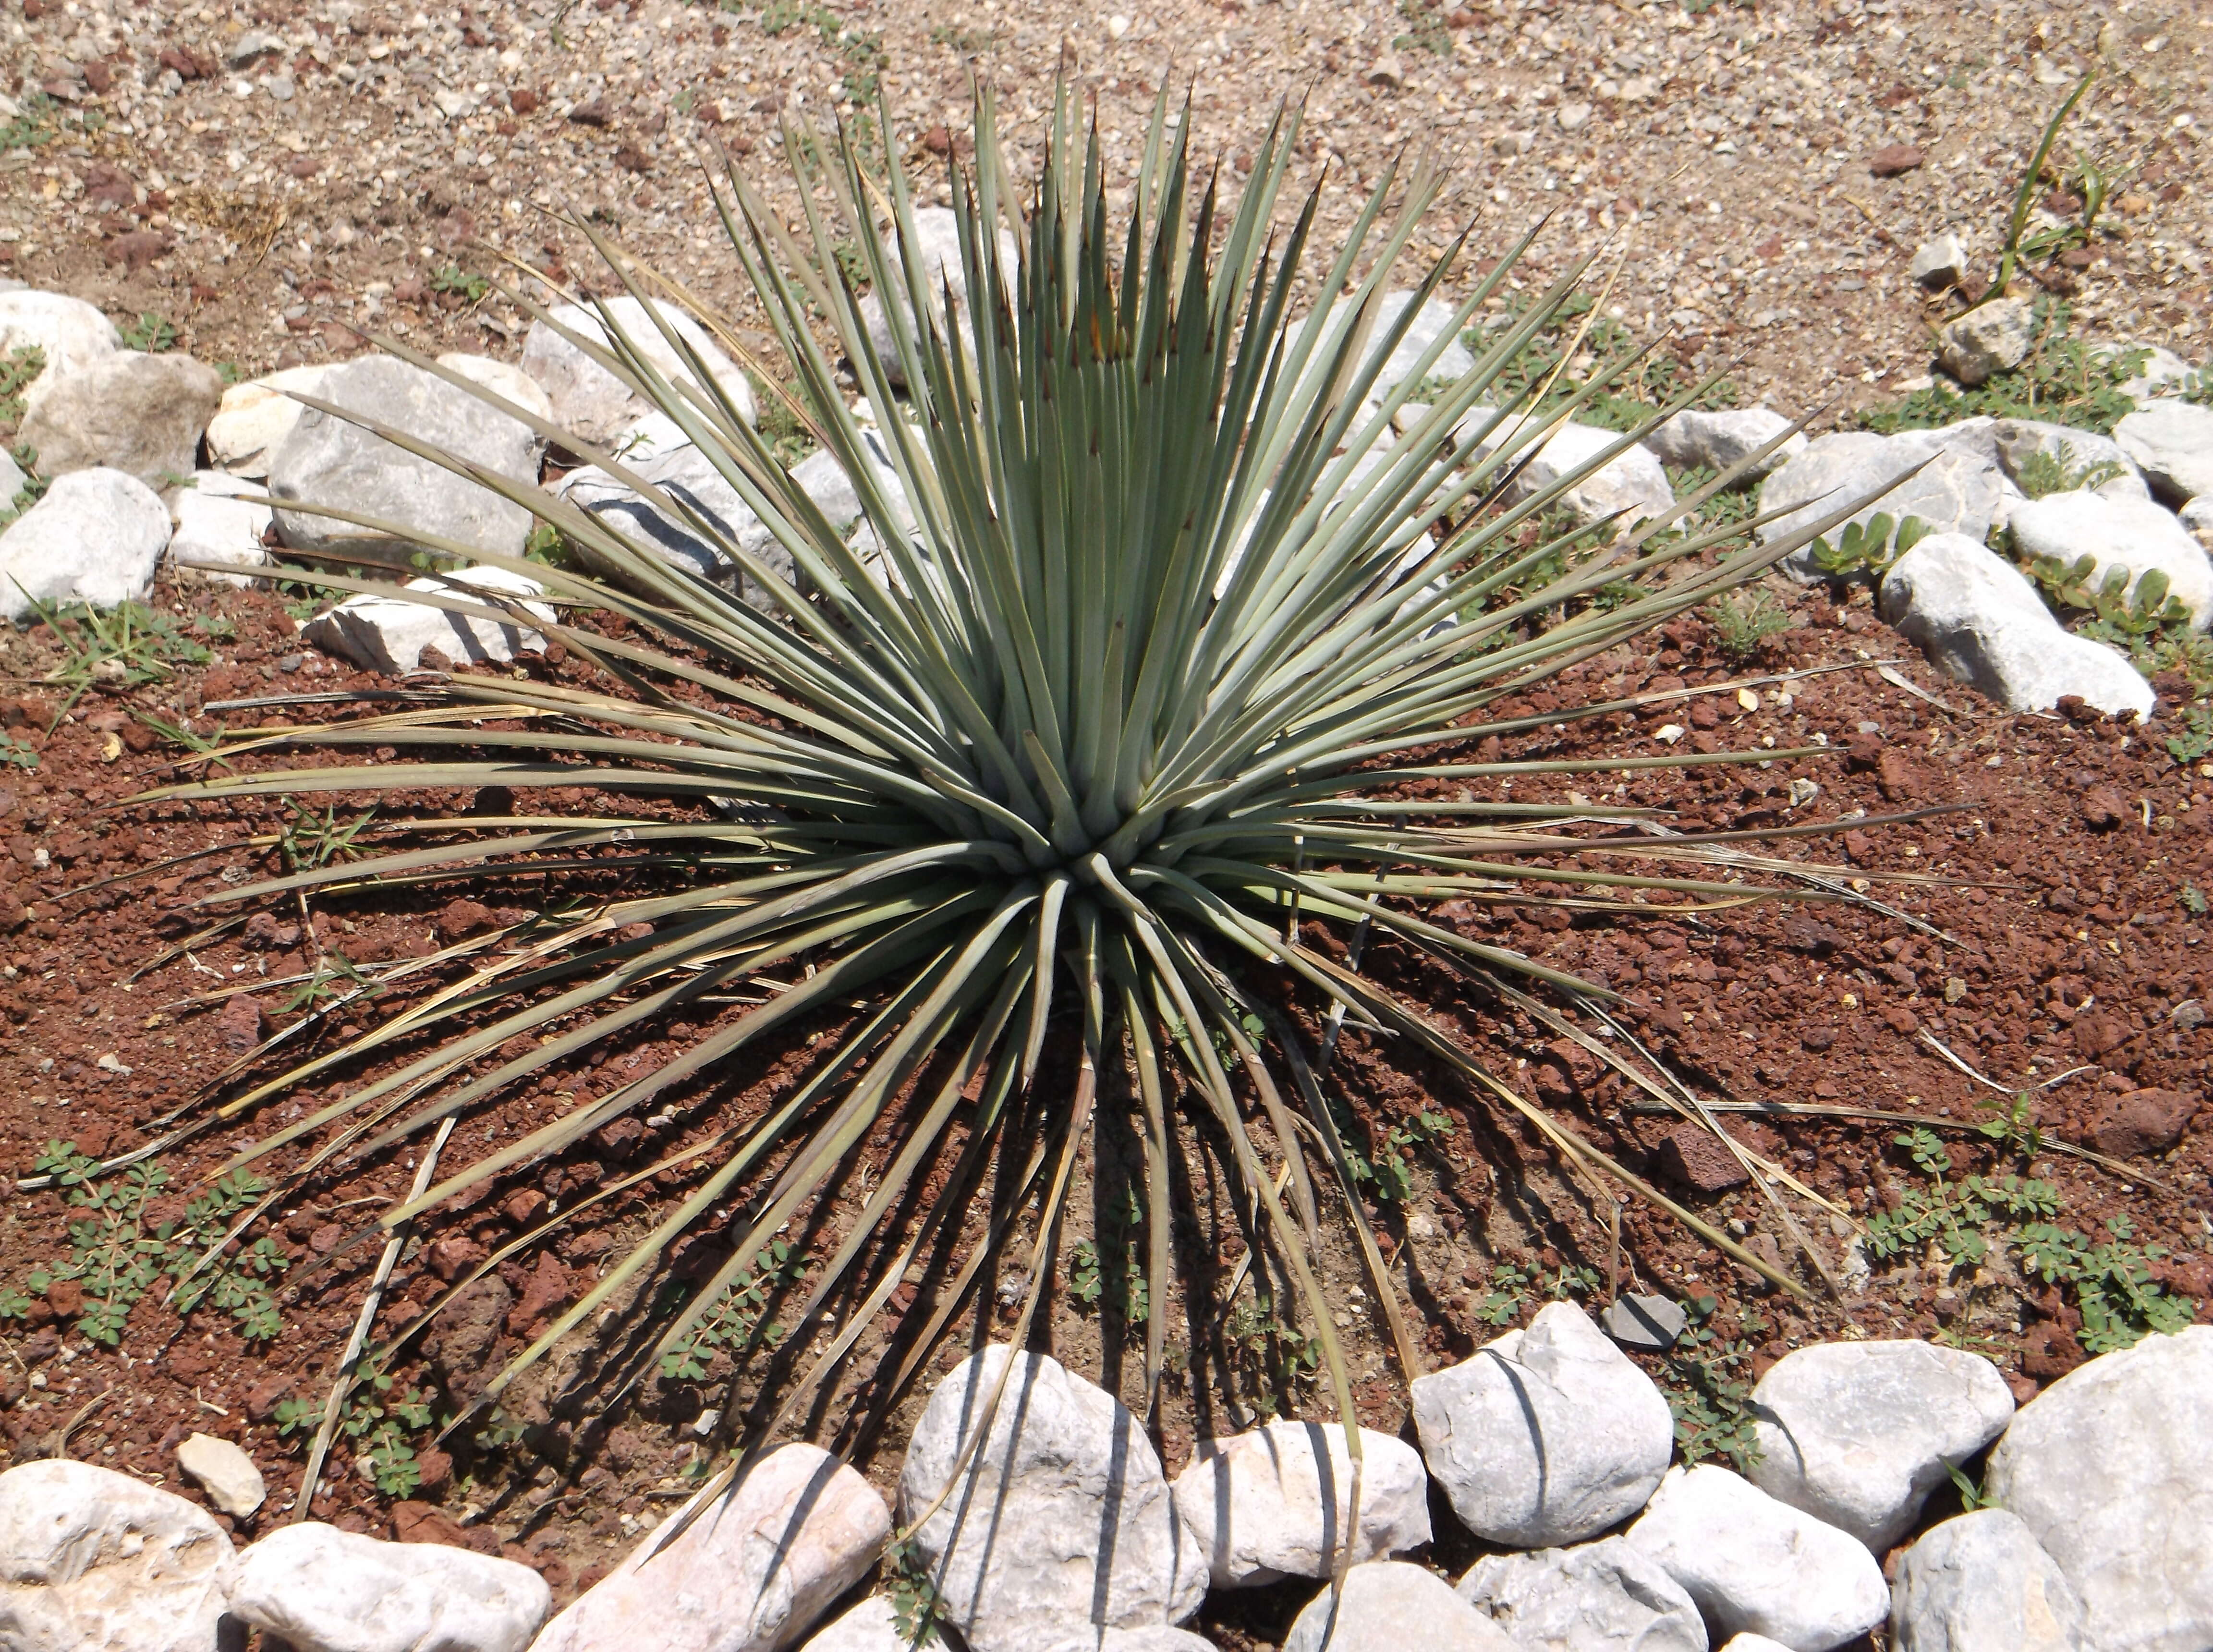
1692 1157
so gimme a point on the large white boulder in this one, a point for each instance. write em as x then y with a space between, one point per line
96 537
1545 1436
1959 488
215 523
320 1589
504 379
1693 440
2134 536
2107 1468
329 461
1753 1564
95 1561
1387 1605
1277 1503
1980 622
130 411
2172 442
253 418
589 401
1858 1433
1631 486
757 1567
1608 1596
1982 1583
388 633
72 334
1060 1517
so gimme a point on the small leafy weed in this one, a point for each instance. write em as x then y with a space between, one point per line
150 333
737 1319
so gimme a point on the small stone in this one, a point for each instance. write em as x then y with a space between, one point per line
1982 1583
134 412
1650 1323
1385 71
1274 1503
1601 1597
1752 1563
1992 338
390 633
1573 117
1720 440
759 1564
320 1589
1388 1606
1980 622
255 417
1897 158
2141 1123
1690 1155
1755 1643
239 1022
1546 1435
2133 536
95 1559
96 537
329 461
2172 442
224 1471
1858 1433
72 335
214 524
249 46
1062 1517
1940 263
589 400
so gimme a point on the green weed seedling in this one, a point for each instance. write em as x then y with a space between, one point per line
469 289
1270 1354
125 647
2063 380
2118 615
915 1609
151 332
2196 739
736 1321
375 1421
2044 473
1708 1383
1744 619
1870 548
17 368
1114 1278
1513 1287
15 751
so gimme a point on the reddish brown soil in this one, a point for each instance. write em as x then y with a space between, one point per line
2066 945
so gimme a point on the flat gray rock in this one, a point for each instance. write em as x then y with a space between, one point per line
134 412
1960 490
96 537
1982 1583
320 1589
1692 440
90 1559
1276 1503
704 532
1652 1323
589 401
326 460
1599 1597
2172 442
1858 1433
389 633
1545 1436
214 524
2133 535
1060 1517
2107 1467
1630 487
1752 1563
1388 1606
1980 622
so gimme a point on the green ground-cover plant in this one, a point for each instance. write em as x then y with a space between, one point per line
1869 549
2063 380
1742 620
1708 1382
1026 793
378 1420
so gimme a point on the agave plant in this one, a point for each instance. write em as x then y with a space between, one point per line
1069 750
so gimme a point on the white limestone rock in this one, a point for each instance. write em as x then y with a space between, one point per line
1692 440
1753 1643
1960 489
1275 1503
690 479
1598 1597
1857 1434
1545 1436
872 1626
389 633
2160 374
1630 487
320 1589
90 1559
752 1574
1982 1583
1062 1517
70 333
504 379
216 524
1387 1605
254 417
1989 338
328 460
937 244
1753 1564
1154 1638
130 411
1979 620
1940 263
2172 442
589 401
2107 1467
2197 516
222 1469
2133 535
96 537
